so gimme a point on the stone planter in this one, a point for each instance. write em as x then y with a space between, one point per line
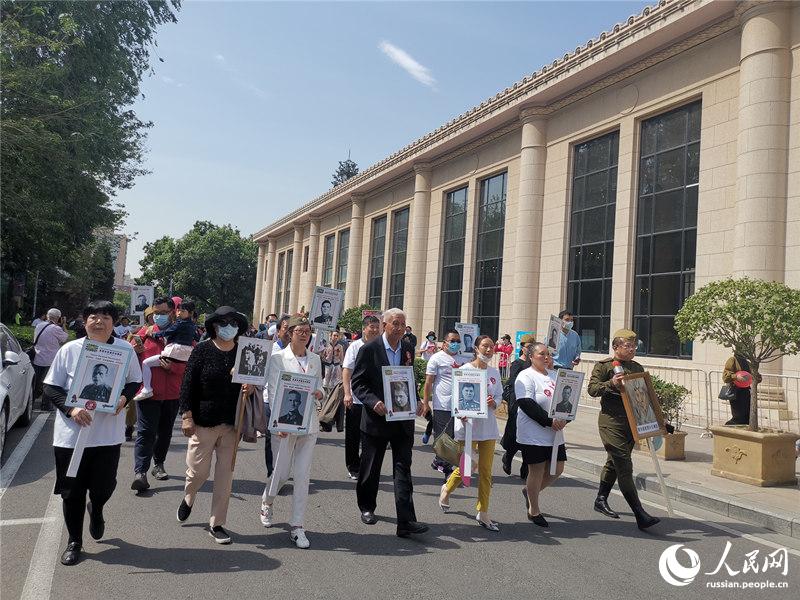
760 458
673 448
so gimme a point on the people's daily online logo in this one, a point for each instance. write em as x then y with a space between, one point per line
671 569
679 566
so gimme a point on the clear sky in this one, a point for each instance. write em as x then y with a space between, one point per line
256 102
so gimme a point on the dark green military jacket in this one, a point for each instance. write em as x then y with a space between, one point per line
600 385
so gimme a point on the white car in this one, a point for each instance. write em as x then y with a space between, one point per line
16 385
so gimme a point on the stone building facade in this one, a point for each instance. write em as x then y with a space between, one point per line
659 156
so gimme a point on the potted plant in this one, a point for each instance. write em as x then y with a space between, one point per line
760 321
671 397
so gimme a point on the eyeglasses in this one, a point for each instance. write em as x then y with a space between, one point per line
302 331
224 322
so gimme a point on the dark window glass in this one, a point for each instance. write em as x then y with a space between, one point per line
397 269
305 259
287 279
341 262
455 227
489 254
279 282
377 252
327 261
666 228
591 239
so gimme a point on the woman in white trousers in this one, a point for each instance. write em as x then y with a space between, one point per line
293 452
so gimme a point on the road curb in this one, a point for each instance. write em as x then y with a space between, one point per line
783 523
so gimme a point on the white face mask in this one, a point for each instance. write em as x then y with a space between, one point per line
483 358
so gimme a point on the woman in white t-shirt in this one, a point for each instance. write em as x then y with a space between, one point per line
97 473
484 436
536 432
428 346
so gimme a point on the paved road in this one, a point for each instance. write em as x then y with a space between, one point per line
147 554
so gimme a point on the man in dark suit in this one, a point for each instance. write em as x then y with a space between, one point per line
367 381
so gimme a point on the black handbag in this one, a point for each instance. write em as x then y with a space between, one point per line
727 392
31 352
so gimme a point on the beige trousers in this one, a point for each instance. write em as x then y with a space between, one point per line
205 442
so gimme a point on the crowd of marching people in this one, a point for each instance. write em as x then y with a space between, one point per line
185 369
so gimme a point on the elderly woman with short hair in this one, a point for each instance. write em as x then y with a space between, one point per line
292 451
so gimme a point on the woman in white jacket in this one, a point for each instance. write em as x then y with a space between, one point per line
293 451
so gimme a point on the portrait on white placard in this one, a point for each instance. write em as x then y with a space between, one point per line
399 393
326 307
566 396
251 361
470 389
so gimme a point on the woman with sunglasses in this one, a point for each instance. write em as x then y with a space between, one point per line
208 404
293 452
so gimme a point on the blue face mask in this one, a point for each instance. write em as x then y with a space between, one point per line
454 347
568 325
228 332
161 320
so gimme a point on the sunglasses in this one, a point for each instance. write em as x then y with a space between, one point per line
224 322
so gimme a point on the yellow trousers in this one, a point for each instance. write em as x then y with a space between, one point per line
485 458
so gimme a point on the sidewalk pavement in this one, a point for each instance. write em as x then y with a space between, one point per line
690 481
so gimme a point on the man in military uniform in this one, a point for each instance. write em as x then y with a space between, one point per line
615 431
293 416
98 390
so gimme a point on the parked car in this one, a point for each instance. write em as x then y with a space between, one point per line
16 385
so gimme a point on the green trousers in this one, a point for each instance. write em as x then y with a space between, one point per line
615 432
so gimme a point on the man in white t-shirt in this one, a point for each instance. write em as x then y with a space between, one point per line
104 435
371 328
439 389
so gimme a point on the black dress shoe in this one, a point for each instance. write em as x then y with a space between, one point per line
601 506
506 464
539 520
411 528
368 517
644 520
97 525
72 554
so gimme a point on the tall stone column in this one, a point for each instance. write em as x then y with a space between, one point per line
257 317
417 255
310 278
268 294
297 268
354 252
763 141
527 251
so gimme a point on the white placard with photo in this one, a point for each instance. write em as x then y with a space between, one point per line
326 307
320 340
251 361
470 389
553 339
468 332
294 403
141 299
564 402
399 393
100 376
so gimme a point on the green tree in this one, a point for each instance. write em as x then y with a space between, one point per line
759 320
212 264
71 70
351 318
346 170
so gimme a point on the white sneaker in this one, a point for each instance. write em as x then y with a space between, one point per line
299 538
266 514
143 395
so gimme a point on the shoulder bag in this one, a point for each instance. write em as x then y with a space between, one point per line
728 391
446 447
31 352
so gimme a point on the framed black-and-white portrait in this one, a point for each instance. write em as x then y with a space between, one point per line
141 299
553 338
99 376
251 361
564 402
468 332
293 403
470 393
326 307
399 393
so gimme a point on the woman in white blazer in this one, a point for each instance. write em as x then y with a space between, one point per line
292 452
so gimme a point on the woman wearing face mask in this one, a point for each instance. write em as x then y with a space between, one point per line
439 387
208 404
428 346
484 437
536 432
